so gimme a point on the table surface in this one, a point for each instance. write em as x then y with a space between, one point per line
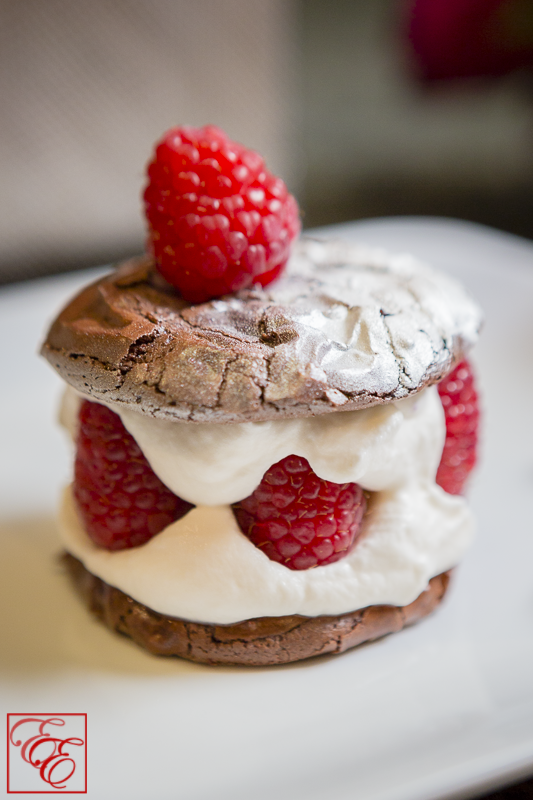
439 710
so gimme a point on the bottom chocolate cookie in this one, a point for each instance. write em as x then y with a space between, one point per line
253 642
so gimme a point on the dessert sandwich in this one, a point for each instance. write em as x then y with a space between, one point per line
272 435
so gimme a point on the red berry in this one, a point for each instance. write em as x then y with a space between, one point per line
460 402
121 500
218 220
300 520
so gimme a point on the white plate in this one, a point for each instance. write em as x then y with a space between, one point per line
442 708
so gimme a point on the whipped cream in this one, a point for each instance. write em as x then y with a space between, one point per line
213 464
203 568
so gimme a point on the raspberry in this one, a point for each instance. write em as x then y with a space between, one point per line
300 520
460 402
218 220
122 501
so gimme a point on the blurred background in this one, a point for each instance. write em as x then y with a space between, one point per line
365 107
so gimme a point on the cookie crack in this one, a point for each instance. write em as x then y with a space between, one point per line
137 350
97 362
268 364
204 332
222 383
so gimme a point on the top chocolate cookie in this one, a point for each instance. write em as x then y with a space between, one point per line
345 328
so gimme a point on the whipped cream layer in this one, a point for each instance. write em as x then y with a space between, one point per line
203 568
213 464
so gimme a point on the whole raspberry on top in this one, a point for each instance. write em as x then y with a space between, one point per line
219 221
299 519
460 402
121 500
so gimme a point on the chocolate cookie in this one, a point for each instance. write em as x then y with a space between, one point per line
345 329
253 642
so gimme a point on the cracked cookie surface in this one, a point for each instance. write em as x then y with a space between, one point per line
346 328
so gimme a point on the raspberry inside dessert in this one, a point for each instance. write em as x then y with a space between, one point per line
218 219
293 516
300 520
461 410
121 500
